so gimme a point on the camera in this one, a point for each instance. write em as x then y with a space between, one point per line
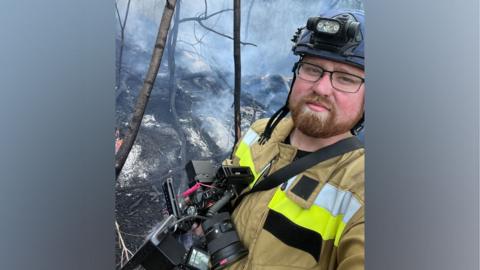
207 202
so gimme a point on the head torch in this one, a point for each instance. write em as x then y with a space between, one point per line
334 32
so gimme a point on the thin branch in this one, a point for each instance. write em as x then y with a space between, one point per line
134 235
195 35
223 35
205 17
122 39
200 19
248 18
213 26
126 14
199 40
191 45
126 253
124 21
206 6
118 15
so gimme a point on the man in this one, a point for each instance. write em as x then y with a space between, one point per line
315 220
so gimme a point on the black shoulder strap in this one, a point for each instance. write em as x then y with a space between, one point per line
302 164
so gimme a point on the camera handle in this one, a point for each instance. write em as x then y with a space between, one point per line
220 203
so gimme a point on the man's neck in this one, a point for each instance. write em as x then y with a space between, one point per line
311 144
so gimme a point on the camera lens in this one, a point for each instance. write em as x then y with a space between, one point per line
223 243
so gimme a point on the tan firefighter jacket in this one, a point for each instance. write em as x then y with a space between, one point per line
315 222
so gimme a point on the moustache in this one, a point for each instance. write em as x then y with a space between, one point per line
320 100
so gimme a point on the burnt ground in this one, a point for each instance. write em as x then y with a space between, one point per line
203 129
137 211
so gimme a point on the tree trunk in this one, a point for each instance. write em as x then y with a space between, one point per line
238 69
172 45
149 81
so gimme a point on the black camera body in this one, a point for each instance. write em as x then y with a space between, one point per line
209 190
162 251
206 201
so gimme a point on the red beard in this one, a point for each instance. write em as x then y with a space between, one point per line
319 124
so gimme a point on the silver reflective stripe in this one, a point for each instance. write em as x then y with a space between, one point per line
290 181
337 202
265 169
250 137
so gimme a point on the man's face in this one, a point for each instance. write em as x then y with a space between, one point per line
319 110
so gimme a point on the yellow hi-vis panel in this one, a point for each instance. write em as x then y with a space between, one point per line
245 156
328 220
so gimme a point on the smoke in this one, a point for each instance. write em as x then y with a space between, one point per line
270 25
204 59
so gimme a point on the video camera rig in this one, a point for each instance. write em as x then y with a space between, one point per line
209 193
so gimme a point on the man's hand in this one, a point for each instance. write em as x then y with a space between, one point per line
197 230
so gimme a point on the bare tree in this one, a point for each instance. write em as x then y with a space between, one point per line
148 83
172 45
122 23
238 69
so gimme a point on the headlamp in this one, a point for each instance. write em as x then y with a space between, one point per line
341 27
326 26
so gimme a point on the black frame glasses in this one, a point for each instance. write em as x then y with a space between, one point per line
341 81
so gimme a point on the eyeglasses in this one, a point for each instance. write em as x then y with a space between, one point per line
341 81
